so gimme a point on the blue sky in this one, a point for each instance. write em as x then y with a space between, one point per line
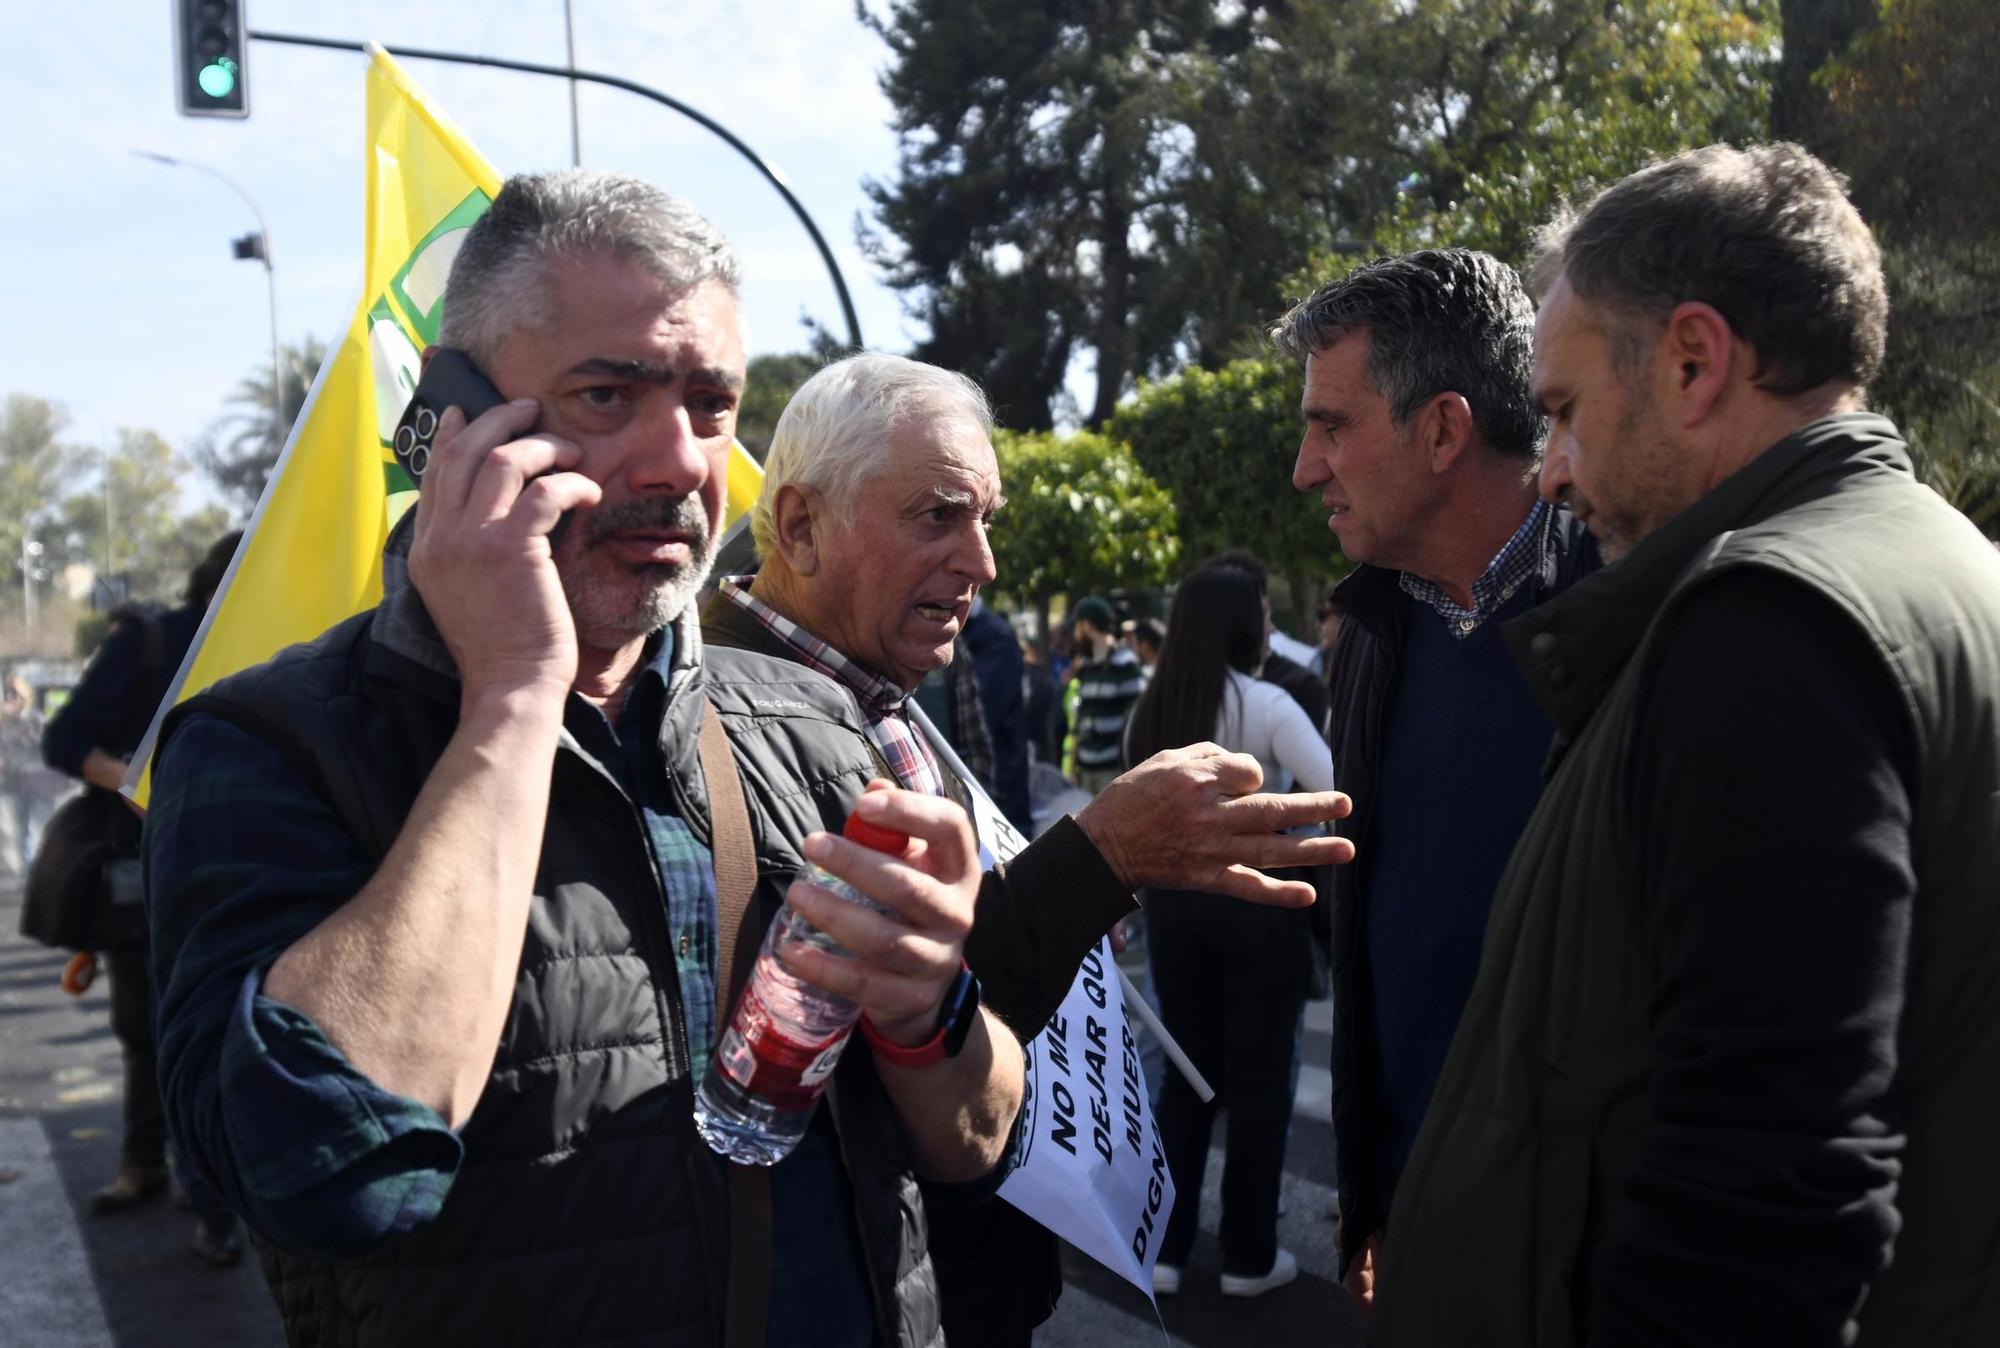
123 302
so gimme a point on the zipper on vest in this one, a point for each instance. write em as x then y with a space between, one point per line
657 937
679 1052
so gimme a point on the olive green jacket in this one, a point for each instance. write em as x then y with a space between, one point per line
1520 1169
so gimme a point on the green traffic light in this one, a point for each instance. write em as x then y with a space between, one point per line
217 78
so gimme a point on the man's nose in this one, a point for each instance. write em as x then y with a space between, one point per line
1307 470
1554 479
669 458
976 559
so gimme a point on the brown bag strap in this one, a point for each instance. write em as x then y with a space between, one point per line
737 934
737 937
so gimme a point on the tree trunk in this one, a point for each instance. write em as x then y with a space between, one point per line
1815 32
1114 324
1305 606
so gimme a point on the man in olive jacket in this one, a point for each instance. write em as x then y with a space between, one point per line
1731 1065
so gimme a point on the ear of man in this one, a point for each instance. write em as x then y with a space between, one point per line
1700 357
796 515
1445 431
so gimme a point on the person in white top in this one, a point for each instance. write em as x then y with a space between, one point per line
1262 720
1231 980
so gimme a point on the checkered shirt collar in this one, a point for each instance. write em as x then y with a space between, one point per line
884 705
1530 552
879 695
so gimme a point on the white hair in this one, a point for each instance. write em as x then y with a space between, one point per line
838 424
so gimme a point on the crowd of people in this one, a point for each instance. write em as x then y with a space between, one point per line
1663 706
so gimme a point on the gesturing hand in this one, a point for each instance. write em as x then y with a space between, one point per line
480 555
1188 819
900 966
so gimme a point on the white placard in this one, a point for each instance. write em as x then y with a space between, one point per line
1095 1172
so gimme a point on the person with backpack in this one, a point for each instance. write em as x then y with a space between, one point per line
91 738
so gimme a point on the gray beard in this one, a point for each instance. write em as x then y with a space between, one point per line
607 623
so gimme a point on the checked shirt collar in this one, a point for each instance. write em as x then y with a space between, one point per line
1530 552
884 705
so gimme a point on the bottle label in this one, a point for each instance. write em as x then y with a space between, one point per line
771 1065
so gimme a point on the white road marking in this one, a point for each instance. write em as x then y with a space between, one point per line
48 1297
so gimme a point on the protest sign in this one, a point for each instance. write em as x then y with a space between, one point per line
1095 1172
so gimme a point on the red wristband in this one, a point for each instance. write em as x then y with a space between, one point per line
955 1017
927 1054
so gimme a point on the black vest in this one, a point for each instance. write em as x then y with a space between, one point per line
586 1209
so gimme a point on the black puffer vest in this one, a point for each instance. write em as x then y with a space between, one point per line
586 1210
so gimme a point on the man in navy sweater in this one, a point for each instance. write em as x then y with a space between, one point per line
1422 439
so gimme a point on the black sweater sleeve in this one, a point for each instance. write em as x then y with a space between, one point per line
1769 785
101 705
1037 917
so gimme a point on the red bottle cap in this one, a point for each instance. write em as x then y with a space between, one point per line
874 836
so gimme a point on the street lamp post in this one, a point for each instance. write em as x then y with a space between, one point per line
31 552
263 254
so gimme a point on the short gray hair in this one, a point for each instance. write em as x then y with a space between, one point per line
1766 235
499 279
838 423
1443 320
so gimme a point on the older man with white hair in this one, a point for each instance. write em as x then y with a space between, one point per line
879 490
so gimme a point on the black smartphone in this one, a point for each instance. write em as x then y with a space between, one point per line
450 379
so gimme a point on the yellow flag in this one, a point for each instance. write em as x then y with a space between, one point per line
312 554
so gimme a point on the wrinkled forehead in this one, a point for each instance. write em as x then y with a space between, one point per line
943 449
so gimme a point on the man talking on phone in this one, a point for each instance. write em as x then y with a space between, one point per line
435 921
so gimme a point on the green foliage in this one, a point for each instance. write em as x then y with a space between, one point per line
239 452
771 382
1138 179
1498 115
1913 108
1910 109
1035 144
1223 443
126 522
35 469
1081 518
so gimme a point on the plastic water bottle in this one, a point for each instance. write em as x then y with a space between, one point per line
773 1062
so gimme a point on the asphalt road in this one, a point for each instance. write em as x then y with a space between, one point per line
76 1281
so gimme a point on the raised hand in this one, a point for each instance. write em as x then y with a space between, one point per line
1194 818
900 965
481 556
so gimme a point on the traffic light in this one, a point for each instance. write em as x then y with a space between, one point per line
210 42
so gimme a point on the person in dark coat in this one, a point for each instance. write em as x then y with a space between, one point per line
1729 1070
1421 440
91 737
997 668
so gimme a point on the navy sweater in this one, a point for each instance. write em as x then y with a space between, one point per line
1461 771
